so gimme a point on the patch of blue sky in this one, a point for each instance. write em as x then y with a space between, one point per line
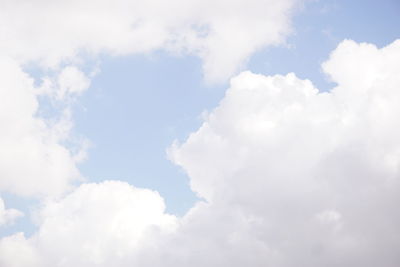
23 224
136 107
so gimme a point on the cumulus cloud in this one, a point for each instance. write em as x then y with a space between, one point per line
319 170
290 177
222 33
98 224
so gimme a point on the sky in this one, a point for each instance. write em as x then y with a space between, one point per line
193 133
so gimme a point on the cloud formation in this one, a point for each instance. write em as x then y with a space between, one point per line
223 34
316 174
290 177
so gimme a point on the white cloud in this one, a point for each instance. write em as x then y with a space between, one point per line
222 33
33 159
279 151
7 216
16 252
292 177
71 81
98 224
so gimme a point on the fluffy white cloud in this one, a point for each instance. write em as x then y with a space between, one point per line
16 252
98 224
316 174
7 216
33 159
292 177
222 33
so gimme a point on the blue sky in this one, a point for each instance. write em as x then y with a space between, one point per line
143 97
